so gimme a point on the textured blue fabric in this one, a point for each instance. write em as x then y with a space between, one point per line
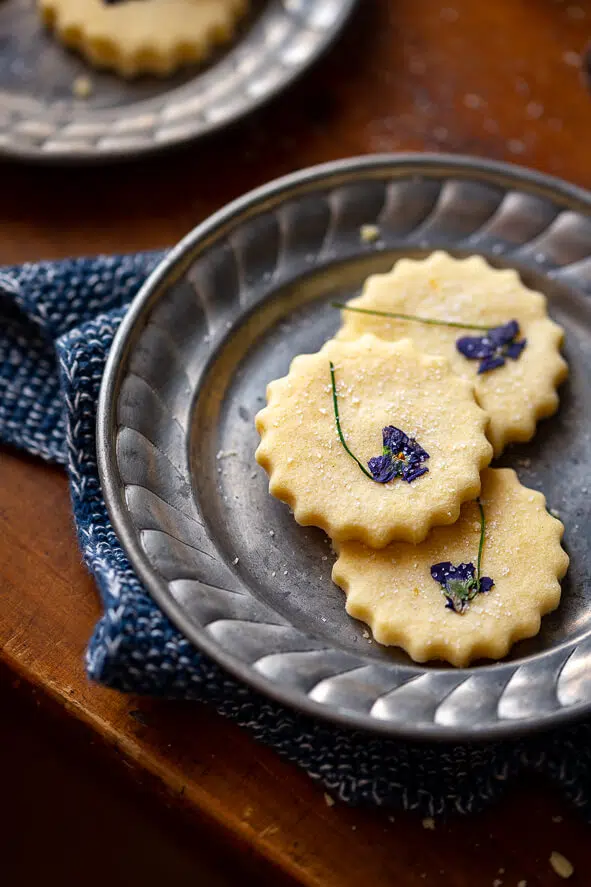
57 321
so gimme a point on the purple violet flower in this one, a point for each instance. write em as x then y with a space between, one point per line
459 584
401 457
494 347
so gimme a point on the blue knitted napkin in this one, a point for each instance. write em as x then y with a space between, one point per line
57 322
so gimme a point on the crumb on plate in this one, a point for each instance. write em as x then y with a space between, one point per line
82 87
369 233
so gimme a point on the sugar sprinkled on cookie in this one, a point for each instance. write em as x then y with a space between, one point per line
401 591
512 353
373 441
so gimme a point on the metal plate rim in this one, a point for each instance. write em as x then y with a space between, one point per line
106 421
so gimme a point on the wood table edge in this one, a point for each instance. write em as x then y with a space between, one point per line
132 756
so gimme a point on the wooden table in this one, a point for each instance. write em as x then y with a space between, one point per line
497 79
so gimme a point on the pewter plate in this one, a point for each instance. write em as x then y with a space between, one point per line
41 120
224 314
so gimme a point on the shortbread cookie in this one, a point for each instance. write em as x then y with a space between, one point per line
425 598
515 367
414 432
143 36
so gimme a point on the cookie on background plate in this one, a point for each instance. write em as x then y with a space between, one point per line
411 449
135 37
431 600
514 361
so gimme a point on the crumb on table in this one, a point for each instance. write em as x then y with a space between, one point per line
561 864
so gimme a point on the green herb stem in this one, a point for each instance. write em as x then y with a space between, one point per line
482 533
411 317
338 423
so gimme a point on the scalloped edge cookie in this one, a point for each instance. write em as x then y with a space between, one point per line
379 384
517 395
393 592
135 37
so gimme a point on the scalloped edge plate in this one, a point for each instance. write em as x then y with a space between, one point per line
284 40
220 281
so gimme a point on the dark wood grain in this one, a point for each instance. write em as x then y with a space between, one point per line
496 79
68 804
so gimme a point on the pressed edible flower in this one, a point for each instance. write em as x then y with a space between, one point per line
401 455
493 349
463 582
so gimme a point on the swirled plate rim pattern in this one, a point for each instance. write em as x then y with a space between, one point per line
87 136
321 178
